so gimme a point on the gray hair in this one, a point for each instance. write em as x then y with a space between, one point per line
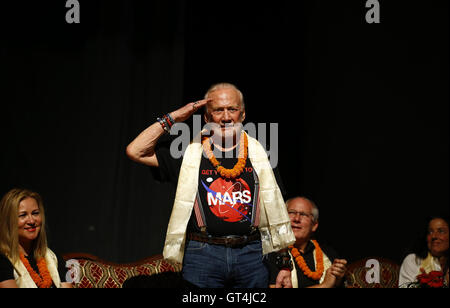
226 85
315 209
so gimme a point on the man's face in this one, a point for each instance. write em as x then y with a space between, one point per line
302 220
225 110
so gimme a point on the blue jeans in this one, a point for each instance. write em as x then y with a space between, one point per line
215 266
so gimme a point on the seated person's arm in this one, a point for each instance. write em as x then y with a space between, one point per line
334 275
11 283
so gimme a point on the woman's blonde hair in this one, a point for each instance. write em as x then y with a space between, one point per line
9 219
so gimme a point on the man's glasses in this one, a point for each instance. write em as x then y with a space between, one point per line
293 213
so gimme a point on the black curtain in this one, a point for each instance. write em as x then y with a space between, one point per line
75 96
362 111
375 123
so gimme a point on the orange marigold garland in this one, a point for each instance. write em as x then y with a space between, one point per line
42 281
302 264
242 160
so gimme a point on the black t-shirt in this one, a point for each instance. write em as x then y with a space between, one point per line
226 207
7 269
303 280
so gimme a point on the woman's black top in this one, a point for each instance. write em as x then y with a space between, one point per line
7 269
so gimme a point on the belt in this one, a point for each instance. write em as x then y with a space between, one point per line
231 241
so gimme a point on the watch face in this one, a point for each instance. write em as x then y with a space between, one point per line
283 261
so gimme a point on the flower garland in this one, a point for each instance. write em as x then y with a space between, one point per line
433 279
42 281
302 264
242 160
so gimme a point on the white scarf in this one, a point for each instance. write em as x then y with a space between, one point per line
23 278
430 264
274 226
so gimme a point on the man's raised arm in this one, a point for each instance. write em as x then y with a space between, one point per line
142 149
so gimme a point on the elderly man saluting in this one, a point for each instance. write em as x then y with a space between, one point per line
228 210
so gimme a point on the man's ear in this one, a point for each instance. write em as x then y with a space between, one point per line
316 225
243 116
205 117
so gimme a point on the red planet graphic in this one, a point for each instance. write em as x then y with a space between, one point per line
230 200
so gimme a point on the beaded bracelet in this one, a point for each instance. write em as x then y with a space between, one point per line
166 122
169 117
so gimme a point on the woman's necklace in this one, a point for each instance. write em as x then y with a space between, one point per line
44 280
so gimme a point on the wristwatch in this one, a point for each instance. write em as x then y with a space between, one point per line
283 261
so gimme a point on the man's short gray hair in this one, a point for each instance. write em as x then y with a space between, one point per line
315 209
226 85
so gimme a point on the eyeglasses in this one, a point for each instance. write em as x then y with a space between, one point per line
293 213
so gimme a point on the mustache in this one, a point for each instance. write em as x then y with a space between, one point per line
212 125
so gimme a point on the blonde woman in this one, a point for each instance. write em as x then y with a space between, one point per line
25 259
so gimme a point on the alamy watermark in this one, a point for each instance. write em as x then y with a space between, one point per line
73 14
73 271
373 273
373 14
258 131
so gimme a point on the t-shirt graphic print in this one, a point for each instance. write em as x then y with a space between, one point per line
228 205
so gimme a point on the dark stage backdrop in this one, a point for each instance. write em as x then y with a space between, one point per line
362 111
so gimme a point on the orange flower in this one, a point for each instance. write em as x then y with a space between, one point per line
242 160
42 281
302 264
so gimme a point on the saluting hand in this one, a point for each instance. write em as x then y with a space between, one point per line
188 110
